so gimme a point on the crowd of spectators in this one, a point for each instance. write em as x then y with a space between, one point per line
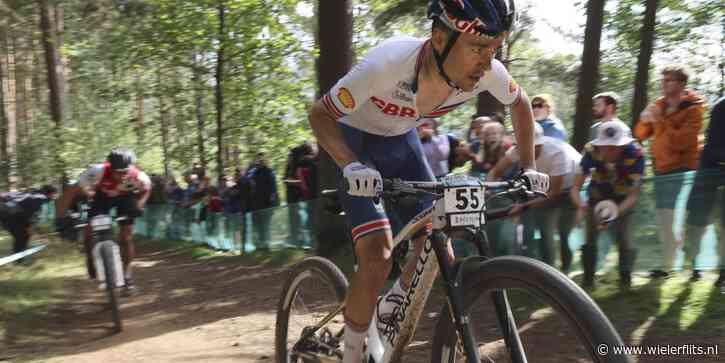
611 165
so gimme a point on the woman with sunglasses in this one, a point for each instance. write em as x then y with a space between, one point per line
543 107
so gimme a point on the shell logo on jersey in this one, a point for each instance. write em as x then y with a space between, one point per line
513 86
346 98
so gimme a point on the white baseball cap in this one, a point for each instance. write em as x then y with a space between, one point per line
538 134
613 133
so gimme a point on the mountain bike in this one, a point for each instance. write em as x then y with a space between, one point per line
310 327
106 258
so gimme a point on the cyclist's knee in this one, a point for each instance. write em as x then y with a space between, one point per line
374 254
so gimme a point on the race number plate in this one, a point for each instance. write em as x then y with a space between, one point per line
101 223
464 202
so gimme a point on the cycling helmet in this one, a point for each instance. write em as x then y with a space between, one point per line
121 159
484 18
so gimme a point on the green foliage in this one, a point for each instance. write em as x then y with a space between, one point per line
121 55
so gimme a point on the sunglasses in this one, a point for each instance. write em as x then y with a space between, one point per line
537 105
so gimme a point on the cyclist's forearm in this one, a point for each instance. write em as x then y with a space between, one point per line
141 202
523 120
66 199
329 136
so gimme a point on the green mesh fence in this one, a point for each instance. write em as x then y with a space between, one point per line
293 226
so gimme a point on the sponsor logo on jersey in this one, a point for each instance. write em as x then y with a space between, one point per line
392 109
346 98
513 86
402 96
405 86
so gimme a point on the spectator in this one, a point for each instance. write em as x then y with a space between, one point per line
437 148
18 213
158 193
704 195
198 170
544 107
460 153
155 204
475 127
489 148
560 161
604 109
263 196
674 120
211 206
616 165
301 182
293 184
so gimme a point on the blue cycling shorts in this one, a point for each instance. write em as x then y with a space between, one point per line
394 157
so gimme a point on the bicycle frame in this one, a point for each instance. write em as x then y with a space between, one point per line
435 249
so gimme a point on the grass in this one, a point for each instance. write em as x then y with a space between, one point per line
674 309
27 292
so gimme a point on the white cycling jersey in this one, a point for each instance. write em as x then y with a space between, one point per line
378 95
98 177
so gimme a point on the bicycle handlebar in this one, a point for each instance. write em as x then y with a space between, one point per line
396 188
82 225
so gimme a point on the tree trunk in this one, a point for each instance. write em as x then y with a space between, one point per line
4 117
63 60
8 72
140 115
589 73
164 122
336 57
219 88
646 44
198 84
55 82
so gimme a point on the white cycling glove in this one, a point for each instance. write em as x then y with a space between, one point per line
538 182
362 180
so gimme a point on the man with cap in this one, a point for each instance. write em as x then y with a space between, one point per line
615 162
560 161
604 108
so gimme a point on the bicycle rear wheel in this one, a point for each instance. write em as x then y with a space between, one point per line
109 269
560 322
314 291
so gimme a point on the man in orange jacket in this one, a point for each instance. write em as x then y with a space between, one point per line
675 120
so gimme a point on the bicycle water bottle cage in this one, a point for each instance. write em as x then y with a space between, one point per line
463 203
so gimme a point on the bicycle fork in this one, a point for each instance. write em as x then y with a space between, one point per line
455 297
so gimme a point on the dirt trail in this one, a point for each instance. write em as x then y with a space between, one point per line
212 310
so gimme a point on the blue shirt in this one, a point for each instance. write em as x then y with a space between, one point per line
553 127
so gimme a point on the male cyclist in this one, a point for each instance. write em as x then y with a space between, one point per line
115 183
367 122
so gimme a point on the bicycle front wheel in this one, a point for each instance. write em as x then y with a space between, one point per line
309 324
559 321
109 269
